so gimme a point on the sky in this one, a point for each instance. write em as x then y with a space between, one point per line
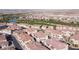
39 4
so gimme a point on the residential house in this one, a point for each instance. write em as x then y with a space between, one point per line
22 37
54 44
35 46
40 36
30 30
54 33
74 40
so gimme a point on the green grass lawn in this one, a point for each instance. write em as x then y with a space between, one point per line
50 22
37 22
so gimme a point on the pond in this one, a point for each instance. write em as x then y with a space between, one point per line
12 21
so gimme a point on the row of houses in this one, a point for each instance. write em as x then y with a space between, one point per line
36 36
27 42
61 34
65 18
43 37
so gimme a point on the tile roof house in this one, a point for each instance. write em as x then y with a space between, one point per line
62 27
50 27
40 36
25 37
55 44
35 26
54 33
13 26
23 25
68 33
35 46
75 39
30 30
44 27
22 37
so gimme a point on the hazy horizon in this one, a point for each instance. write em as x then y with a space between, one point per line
55 11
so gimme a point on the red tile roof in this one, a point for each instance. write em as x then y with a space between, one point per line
35 46
39 34
53 31
24 36
2 38
56 44
30 30
75 36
